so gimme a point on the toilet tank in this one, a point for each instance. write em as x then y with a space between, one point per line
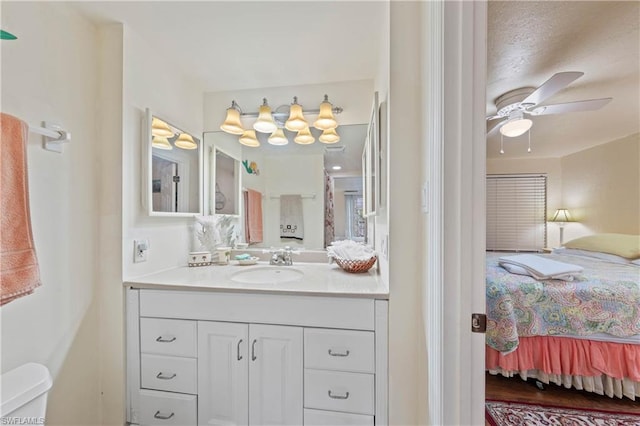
23 394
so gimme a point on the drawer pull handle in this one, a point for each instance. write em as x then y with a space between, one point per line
345 396
163 340
338 353
239 356
253 350
157 415
163 377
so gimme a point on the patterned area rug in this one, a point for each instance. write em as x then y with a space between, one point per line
501 413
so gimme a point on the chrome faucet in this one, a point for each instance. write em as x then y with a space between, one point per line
281 257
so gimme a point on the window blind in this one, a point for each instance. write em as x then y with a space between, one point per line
516 212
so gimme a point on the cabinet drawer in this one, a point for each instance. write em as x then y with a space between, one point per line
330 418
168 337
338 391
342 350
163 408
169 373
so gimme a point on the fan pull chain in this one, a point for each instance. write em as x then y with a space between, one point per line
501 143
529 148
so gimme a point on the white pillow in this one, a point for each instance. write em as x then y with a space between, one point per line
613 258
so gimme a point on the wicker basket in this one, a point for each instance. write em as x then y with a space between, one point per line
355 266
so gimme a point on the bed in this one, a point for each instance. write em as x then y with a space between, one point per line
583 333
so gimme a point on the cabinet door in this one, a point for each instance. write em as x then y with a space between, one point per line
275 375
222 373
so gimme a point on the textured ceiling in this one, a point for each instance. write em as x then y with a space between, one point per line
529 41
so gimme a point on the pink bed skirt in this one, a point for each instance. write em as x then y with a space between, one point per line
576 357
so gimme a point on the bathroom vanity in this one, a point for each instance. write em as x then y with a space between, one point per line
238 345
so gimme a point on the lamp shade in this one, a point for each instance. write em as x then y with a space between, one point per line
561 215
161 142
232 123
265 123
185 141
329 136
249 138
160 128
296 121
325 119
278 138
304 137
516 127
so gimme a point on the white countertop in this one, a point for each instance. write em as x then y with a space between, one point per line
319 279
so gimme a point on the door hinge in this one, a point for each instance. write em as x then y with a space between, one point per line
478 323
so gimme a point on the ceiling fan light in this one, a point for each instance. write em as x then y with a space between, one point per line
249 139
325 119
304 137
296 121
160 128
278 138
161 142
516 127
185 141
329 136
232 123
265 123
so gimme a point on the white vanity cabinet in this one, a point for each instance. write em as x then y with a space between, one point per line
249 374
222 358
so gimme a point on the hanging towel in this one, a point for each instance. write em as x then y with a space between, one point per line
19 273
291 223
253 216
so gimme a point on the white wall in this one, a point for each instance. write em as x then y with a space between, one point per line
151 82
600 187
51 73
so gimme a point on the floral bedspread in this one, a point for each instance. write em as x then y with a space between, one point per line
605 298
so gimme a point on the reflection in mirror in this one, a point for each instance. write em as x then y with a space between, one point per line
331 206
226 184
174 172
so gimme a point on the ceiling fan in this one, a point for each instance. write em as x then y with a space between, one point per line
513 106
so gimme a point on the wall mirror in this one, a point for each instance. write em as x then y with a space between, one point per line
371 163
295 169
173 183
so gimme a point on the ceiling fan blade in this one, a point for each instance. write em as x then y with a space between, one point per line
590 105
493 117
550 87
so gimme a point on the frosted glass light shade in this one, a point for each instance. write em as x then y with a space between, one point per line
161 142
325 119
304 137
278 138
249 138
296 121
329 136
160 128
185 141
265 123
232 123
515 128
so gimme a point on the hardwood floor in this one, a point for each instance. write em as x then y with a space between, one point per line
517 390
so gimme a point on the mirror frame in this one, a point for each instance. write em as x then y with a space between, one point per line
146 170
212 185
371 164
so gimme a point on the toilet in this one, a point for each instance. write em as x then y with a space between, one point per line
24 394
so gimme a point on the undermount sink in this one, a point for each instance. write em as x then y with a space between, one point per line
267 275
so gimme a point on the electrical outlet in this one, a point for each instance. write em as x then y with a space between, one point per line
140 249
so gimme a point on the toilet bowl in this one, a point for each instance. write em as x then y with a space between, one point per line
24 394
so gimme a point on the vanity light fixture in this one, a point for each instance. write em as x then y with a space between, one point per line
185 141
290 117
249 139
329 136
278 138
161 142
304 137
160 128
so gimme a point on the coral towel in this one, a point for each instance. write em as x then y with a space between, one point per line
19 273
253 216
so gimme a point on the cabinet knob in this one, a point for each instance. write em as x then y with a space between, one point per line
161 416
161 339
345 353
345 396
161 376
